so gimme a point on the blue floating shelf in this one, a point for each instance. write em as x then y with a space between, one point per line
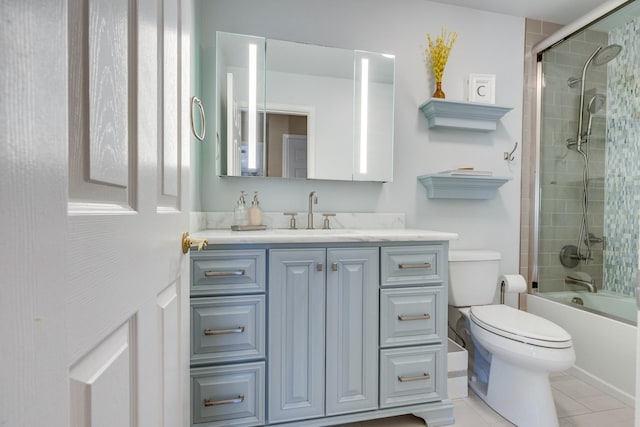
463 115
444 186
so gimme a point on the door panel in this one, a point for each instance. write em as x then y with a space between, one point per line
169 163
296 334
168 309
102 382
105 312
294 156
124 258
102 114
110 30
352 330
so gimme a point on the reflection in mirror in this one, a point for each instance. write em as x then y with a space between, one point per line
312 119
316 81
240 88
286 147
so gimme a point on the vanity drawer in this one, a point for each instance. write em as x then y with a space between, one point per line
411 265
228 395
411 375
409 316
227 329
228 272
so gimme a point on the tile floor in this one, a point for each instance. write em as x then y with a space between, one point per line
578 405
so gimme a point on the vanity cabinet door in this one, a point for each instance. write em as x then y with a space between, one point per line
352 330
296 354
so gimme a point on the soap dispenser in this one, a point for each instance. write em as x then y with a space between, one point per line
240 213
255 211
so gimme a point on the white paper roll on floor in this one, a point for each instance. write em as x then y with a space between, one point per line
513 283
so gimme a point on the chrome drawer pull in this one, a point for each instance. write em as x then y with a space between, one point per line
423 377
425 265
238 399
404 318
238 330
223 273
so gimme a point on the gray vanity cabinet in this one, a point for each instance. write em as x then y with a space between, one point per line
316 334
302 330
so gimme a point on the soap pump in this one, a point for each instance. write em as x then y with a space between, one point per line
255 211
240 213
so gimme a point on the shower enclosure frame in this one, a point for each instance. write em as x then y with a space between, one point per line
564 33
618 339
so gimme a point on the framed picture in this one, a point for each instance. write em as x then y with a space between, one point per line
482 88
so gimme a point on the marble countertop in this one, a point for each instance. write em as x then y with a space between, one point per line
322 236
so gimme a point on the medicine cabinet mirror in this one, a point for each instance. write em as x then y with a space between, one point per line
295 110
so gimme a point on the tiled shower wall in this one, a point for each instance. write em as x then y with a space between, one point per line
622 199
561 169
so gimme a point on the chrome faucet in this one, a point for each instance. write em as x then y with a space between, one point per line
568 280
313 198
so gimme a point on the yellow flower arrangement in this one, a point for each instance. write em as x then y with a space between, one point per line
438 52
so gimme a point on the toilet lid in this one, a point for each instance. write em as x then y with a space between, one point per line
520 326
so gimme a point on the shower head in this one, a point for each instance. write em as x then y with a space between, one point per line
596 103
607 54
600 56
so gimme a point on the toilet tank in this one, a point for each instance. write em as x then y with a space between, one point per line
473 277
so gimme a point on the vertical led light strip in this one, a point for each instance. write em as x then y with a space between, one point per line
364 114
253 70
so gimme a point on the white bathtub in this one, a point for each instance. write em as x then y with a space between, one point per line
605 303
605 347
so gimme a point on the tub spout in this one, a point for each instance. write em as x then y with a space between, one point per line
569 280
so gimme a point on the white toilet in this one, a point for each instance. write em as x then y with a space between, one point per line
511 352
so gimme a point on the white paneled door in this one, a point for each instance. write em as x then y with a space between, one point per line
94 176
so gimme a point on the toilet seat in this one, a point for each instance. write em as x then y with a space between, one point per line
520 326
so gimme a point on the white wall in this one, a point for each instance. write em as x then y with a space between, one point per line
487 43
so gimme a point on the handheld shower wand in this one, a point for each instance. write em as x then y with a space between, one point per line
595 104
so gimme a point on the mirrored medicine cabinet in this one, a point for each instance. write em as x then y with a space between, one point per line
296 110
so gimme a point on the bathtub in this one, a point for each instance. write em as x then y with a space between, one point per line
604 303
605 346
